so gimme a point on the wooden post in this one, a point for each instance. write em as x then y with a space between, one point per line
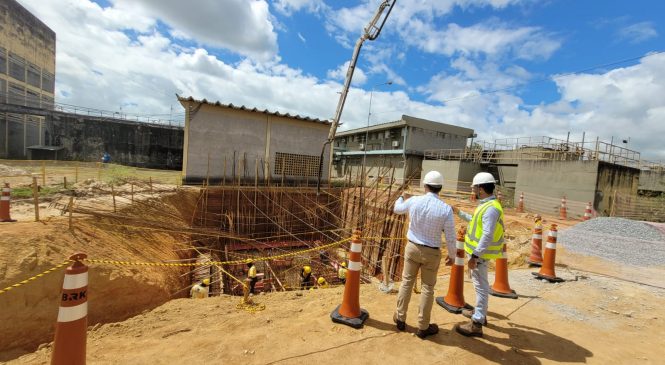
132 192
113 194
35 195
70 208
224 175
99 171
208 171
76 173
64 179
150 184
385 269
43 173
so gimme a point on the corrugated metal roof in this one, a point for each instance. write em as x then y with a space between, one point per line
253 110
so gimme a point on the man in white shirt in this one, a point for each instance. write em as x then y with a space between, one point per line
428 217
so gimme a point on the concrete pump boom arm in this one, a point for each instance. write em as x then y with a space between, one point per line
370 32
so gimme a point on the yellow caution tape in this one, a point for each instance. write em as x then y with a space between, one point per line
208 263
34 277
250 307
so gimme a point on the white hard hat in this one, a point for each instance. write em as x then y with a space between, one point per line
483 178
433 178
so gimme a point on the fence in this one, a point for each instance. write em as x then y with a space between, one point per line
639 208
51 173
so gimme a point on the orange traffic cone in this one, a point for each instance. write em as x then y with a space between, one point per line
349 312
520 204
4 204
501 287
562 211
454 300
587 212
547 270
536 258
71 330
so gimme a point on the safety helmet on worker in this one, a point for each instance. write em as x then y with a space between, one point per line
206 282
483 178
307 269
321 280
343 264
433 178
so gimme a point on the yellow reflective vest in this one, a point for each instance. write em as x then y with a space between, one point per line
341 273
475 232
252 272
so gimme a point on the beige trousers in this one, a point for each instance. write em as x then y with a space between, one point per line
427 260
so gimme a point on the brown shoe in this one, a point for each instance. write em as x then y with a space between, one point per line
471 329
401 325
468 313
432 329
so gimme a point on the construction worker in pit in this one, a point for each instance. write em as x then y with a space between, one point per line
341 272
306 277
200 290
428 217
483 242
251 277
323 284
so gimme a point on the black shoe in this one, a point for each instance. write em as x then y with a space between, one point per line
433 329
401 325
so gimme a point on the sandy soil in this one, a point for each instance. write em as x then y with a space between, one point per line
590 319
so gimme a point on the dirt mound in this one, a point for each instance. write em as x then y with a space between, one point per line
116 292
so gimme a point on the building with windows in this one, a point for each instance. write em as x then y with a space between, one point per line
27 77
399 144
227 143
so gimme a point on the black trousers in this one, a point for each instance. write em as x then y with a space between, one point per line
252 283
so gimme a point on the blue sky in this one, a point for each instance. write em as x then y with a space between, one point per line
507 68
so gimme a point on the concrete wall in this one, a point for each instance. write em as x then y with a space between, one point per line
652 181
245 139
376 164
554 179
624 180
457 175
128 143
419 139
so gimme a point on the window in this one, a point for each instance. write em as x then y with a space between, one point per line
16 94
34 75
32 99
3 61
48 82
3 91
47 102
296 165
16 67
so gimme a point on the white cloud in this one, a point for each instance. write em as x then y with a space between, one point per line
638 32
242 26
339 74
302 38
288 7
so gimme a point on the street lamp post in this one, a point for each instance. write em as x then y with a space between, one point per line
363 212
369 115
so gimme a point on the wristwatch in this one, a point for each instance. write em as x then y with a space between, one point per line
474 256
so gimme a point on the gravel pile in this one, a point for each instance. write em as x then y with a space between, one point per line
616 239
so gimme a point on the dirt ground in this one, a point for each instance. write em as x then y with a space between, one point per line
588 319
604 312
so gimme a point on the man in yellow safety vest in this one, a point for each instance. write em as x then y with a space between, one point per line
483 242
